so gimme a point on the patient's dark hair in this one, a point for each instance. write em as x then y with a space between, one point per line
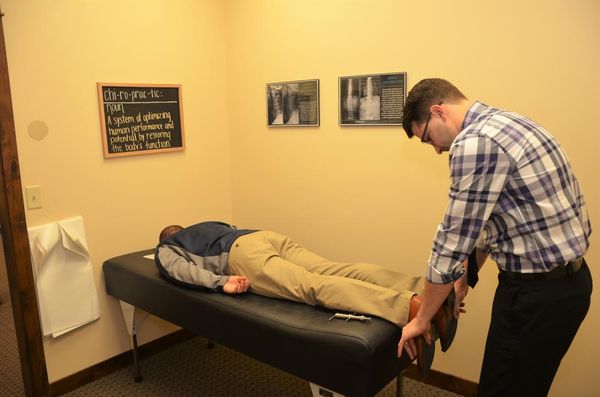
167 231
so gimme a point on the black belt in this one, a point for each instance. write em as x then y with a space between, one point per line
559 272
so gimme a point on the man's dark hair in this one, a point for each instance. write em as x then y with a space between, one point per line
167 231
422 96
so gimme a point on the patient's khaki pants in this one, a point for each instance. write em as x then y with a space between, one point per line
280 268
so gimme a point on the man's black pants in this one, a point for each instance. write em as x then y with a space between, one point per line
533 324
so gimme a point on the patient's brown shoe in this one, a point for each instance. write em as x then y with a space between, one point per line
425 352
445 323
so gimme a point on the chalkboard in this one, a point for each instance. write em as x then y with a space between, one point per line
140 118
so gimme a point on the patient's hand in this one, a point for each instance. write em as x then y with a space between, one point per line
236 285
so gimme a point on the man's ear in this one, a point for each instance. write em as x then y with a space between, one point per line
439 111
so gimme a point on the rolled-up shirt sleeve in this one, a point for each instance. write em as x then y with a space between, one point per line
479 169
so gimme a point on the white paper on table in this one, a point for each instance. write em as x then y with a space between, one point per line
64 277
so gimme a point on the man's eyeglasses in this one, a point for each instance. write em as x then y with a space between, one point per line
425 136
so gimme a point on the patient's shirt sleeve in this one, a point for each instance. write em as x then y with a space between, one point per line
188 269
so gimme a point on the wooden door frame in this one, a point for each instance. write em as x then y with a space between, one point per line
16 245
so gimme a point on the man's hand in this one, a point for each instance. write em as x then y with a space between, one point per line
432 297
410 331
460 291
236 285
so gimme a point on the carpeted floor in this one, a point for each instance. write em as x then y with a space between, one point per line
11 382
191 369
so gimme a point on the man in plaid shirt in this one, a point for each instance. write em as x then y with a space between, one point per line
513 196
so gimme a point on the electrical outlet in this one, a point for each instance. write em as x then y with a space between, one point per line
34 196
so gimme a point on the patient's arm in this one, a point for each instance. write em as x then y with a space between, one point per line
236 285
179 265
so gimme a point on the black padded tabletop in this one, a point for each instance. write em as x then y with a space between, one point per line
352 358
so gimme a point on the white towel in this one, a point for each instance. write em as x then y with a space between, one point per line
64 277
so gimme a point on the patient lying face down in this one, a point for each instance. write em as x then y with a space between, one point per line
222 258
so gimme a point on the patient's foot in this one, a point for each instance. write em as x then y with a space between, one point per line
445 323
425 352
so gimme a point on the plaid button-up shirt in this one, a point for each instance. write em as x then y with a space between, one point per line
512 188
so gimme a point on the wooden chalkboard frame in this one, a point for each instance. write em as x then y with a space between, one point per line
147 92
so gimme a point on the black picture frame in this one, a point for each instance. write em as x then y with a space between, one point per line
293 103
372 99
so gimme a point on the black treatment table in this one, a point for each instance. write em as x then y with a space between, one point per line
338 357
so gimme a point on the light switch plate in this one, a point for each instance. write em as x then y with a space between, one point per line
34 196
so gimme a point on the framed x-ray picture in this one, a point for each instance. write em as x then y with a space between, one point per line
374 99
293 103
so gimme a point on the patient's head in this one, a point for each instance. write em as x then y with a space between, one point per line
167 231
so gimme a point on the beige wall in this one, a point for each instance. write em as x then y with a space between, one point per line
361 193
369 193
57 51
